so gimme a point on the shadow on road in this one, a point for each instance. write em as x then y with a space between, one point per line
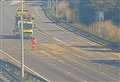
115 63
97 49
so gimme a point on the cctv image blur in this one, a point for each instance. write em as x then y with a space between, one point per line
59 40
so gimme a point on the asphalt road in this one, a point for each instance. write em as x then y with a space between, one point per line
61 55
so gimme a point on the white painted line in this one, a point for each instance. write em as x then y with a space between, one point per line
14 2
24 65
84 81
64 30
59 40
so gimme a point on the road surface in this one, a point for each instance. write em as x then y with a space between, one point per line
61 55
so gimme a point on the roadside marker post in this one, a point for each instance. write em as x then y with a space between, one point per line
34 43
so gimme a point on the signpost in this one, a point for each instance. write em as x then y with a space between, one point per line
56 3
1 25
27 32
22 42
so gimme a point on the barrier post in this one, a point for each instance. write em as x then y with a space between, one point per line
34 43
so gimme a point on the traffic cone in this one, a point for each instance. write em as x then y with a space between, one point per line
34 43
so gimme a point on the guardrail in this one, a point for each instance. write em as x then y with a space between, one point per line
79 31
10 68
12 73
6 72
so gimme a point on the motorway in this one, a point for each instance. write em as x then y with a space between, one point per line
61 55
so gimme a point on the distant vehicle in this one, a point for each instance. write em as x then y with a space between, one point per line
28 23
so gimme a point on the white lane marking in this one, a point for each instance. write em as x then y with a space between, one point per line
85 81
68 64
38 11
88 41
14 59
64 30
59 40
15 2
61 61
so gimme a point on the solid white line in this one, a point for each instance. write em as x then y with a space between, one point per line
14 59
14 2
59 40
64 30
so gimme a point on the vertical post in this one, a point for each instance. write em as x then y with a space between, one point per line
50 3
1 23
47 3
22 41
56 7
101 20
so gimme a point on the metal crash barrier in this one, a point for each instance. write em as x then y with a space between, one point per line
11 73
87 19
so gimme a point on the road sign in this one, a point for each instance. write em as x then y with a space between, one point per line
27 29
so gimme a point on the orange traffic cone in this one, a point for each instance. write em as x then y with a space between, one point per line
34 43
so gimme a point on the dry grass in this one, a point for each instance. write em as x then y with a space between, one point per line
107 30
